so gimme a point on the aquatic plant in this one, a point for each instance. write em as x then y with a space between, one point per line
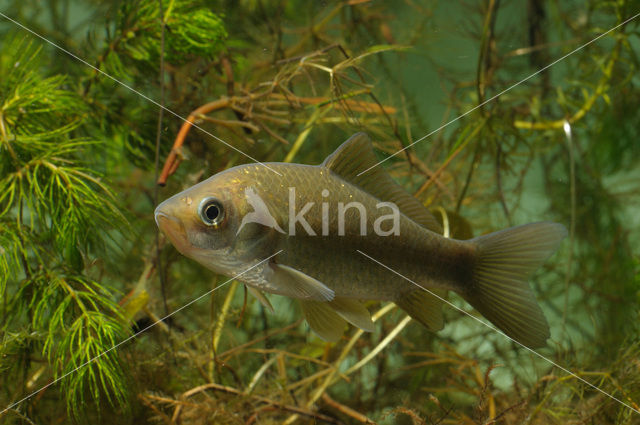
55 216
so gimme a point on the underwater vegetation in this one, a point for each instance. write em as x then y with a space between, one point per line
505 113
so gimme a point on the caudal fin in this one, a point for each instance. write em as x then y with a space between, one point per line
500 290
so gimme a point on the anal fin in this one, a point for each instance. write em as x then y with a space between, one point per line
353 312
423 307
323 320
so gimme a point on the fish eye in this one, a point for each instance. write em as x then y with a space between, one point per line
211 212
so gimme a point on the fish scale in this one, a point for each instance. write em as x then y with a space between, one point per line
343 269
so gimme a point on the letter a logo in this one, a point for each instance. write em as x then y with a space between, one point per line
260 213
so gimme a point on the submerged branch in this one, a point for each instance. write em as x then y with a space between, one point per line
261 399
175 156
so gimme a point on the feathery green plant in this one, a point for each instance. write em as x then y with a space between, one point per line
193 31
130 52
54 212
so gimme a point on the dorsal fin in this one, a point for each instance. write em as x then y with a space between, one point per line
355 156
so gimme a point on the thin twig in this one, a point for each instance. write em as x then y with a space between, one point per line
241 347
282 406
455 153
346 410
175 156
163 288
503 201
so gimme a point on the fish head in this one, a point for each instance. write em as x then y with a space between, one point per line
203 222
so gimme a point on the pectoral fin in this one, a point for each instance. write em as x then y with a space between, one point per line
353 312
323 320
261 297
293 283
423 307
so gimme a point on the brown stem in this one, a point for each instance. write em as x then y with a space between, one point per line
503 201
346 410
435 175
282 406
228 72
174 158
484 69
467 182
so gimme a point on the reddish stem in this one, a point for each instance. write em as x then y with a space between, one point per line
174 158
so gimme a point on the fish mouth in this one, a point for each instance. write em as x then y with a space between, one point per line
173 228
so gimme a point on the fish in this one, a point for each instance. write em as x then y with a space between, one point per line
337 234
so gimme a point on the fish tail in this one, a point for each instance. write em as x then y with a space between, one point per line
499 288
